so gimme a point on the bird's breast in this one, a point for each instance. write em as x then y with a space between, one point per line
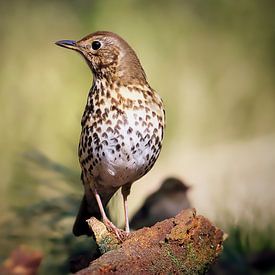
122 135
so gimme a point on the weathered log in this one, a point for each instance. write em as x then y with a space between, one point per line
185 244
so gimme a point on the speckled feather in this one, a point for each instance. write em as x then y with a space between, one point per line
123 122
122 133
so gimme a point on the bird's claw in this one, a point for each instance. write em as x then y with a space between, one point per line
120 234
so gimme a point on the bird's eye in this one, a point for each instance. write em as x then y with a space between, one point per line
96 45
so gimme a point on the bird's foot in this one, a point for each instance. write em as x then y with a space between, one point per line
121 235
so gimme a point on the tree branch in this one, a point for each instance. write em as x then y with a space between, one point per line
185 244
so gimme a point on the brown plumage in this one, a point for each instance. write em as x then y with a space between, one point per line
122 125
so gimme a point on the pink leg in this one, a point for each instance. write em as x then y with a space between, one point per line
101 208
127 228
125 190
106 221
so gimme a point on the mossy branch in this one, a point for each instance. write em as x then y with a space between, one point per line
185 244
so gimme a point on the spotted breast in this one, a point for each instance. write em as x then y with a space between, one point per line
122 133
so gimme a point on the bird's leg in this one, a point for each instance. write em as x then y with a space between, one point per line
100 205
110 226
125 190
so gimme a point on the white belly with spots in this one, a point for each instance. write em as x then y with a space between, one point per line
128 155
121 137
125 153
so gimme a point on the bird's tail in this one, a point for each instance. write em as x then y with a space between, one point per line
89 208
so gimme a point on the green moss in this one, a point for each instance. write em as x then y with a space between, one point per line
107 244
194 262
191 252
172 257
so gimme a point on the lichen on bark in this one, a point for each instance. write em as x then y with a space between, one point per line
185 244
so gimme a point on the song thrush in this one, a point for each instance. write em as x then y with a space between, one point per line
122 125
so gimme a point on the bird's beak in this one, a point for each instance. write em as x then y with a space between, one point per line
69 44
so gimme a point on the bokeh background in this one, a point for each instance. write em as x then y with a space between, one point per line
213 63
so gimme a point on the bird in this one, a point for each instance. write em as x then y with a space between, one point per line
122 126
165 203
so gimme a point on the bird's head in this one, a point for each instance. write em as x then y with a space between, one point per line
108 56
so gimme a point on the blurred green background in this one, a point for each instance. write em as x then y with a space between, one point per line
213 63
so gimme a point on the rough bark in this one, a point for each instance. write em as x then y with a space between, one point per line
185 244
